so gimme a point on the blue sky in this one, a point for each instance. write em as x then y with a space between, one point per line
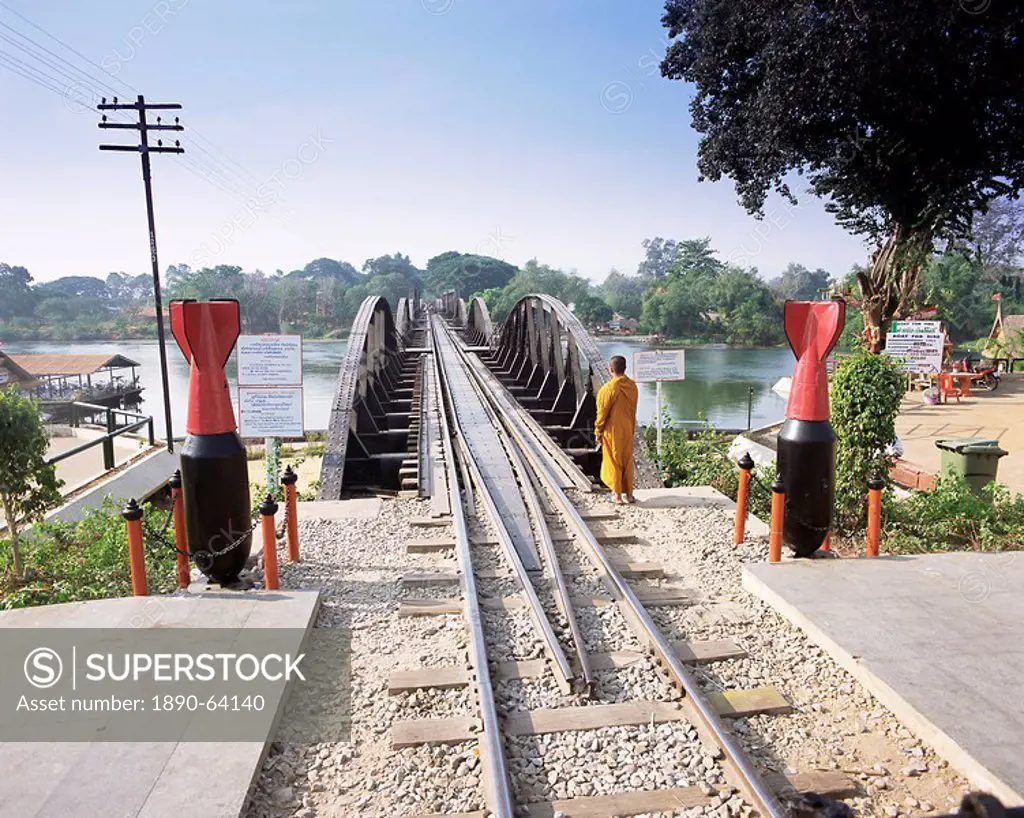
353 129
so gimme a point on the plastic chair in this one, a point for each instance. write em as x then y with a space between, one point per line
947 387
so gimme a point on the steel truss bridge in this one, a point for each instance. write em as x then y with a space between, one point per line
380 427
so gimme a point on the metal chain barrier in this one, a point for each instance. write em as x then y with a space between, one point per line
203 559
157 539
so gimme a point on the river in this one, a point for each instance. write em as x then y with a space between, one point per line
716 387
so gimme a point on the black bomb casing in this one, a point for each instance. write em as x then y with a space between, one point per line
807 443
214 472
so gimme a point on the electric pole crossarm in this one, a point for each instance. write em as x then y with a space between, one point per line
159 149
134 106
133 148
134 127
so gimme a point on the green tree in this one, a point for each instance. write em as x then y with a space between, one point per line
797 283
679 303
746 308
659 255
28 484
396 263
466 273
16 297
592 310
952 283
906 117
74 287
534 277
866 392
624 294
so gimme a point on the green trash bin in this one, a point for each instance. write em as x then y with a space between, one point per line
976 458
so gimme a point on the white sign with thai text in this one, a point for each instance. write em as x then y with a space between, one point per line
659 365
270 360
926 327
919 352
270 412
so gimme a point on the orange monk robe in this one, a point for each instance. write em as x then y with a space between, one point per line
616 423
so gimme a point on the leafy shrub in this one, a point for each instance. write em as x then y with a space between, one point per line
952 517
68 562
866 394
703 460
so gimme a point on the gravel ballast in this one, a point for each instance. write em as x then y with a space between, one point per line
358 564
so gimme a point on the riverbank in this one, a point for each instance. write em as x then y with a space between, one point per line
688 343
68 334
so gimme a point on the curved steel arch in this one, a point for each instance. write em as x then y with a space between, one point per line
479 330
403 318
553 366
359 434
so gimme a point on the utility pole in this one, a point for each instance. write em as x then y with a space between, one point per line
145 149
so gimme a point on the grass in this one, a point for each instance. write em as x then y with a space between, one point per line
951 517
69 562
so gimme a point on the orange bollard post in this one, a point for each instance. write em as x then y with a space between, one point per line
746 463
136 555
267 511
180 540
291 513
827 545
778 515
875 486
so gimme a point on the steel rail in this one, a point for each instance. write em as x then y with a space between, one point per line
699 711
533 501
564 673
497 786
510 405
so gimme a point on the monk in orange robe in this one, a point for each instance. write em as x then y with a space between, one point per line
616 423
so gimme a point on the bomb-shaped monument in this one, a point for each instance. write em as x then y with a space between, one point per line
214 473
807 444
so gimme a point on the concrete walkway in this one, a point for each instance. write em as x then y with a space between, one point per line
938 639
996 415
140 480
156 779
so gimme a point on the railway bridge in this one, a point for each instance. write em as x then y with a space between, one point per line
541 356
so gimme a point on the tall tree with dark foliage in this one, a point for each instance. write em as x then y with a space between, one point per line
905 115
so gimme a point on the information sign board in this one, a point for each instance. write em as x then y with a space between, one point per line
659 365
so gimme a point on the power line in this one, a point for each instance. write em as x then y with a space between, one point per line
214 170
22 72
77 53
217 163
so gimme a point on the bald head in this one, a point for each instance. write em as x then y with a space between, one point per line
617 365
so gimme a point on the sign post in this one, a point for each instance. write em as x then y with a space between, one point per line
270 393
659 365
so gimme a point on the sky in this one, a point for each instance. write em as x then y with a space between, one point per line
526 129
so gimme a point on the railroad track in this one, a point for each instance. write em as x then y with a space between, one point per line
524 549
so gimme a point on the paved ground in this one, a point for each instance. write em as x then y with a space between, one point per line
153 779
88 465
694 496
937 638
996 415
139 480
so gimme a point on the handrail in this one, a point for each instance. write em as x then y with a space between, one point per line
107 440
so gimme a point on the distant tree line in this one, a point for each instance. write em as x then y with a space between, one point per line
681 289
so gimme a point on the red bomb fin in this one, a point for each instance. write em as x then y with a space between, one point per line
178 328
813 328
210 329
